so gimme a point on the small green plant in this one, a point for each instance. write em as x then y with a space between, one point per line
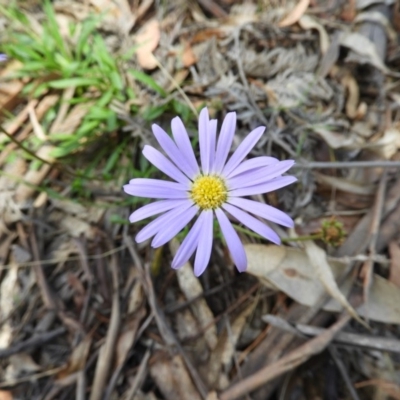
80 61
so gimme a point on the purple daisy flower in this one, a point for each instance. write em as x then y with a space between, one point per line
3 57
217 188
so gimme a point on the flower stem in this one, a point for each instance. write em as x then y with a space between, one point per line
284 240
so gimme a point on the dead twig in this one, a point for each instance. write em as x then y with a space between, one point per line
30 343
107 351
342 338
140 376
346 164
374 231
213 8
342 369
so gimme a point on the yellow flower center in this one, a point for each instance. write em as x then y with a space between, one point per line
209 192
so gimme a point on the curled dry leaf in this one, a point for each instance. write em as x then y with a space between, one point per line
148 39
318 261
295 14
364 47
388 144
378 18
291 272
353 95
308 22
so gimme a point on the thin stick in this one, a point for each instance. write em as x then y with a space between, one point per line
347 164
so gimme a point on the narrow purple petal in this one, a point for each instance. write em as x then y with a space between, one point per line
225 141
269 186
189 244
252 164
172 151
204 141
233 242
164 165
262 210
261 175
185 146
243 149
212 132
253 223
155 208
203 252
174 227
154 188
160 223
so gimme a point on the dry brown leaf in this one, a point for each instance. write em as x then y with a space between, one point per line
353 95
172 378
308 22
295 14
35 177
117 13
142 8
388 144
188 56
318 260
178 78
349 10
345 185
6 395
222 355
364 47
136 298
390 388
337 140
187 326
192 288
233 336
127 337
20 364
148 39
10 90
72 225
379 19
77 359
290 271
9 292
69 124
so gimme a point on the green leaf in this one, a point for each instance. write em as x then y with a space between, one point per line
148 81
53 28
71 82
114 158
151 113
181 109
